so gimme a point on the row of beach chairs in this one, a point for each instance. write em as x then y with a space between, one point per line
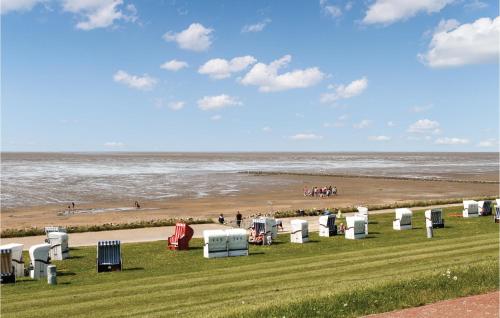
217 243
54 248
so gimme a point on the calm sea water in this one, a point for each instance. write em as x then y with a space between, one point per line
29 179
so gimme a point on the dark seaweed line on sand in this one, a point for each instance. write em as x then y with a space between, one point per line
270 173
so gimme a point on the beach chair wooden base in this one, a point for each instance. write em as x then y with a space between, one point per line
108 267
438 226
8 278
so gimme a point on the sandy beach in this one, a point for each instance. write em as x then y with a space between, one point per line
262 197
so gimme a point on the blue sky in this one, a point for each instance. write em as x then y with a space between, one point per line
381 75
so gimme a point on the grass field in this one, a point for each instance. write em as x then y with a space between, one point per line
326 277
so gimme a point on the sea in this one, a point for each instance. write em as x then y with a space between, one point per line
37 179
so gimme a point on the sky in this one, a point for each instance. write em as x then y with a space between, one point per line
327 75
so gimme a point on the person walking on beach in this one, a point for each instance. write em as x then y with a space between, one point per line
239 217
221 219
73 205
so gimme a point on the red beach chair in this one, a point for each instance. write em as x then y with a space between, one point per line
180 239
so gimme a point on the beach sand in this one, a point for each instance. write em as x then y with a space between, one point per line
263 198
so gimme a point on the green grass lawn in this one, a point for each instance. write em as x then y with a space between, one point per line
326 277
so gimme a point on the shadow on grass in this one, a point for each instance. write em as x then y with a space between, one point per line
133 269
24 281
66 274
75 257
256 253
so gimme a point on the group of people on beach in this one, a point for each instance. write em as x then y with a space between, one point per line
320 192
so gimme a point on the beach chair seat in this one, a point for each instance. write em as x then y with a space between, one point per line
471 209
237 242
39 260
7 269
109 256
355 228
403 220
484 207
59 248
215 244
299 231
264 231
327 225
17 257
363 212
434 218
182 235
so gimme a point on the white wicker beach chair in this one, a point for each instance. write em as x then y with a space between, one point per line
237 242
471 209
215 244
7 269
403 219
59 248
17 257
484 207
363 212
327 225
434 218
355 228
299 232
265 230
39 258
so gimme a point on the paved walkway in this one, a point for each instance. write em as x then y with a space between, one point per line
161 233
484 306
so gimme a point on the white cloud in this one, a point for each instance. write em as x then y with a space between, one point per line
365 123
425 126
217 102
379 138
470 43
476 4
257 27
195 38
7 6
221 68
216 117
489 143
451 141
144 82
174 65
267 78
330 10
266 129
305 136
390 11
421 109
177 105
114 144
339 123
99 13
354 88
391 124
